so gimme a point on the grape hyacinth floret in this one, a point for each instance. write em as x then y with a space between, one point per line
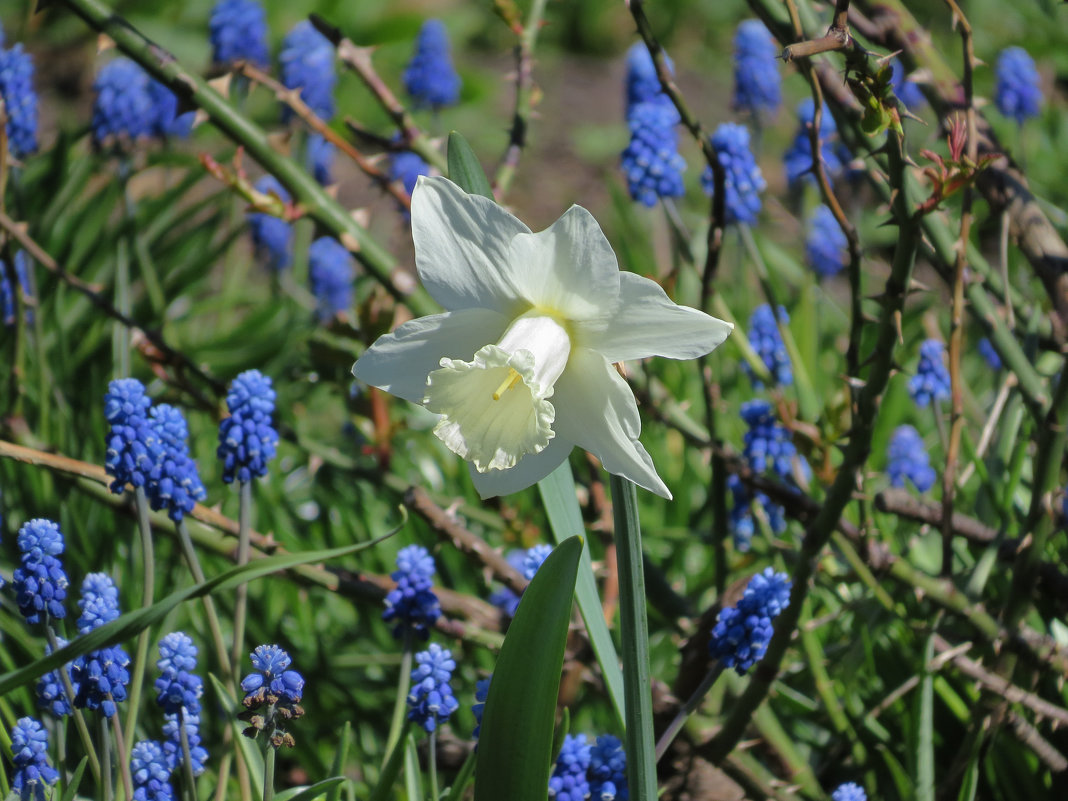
51 694
8 301
850 791
151 776
742 524
406 167
989 354
129 440
412 604
430 77
1018 93
744 181
275 691
477 708
247 439
651 161
29 750
534 559
767 444
99 601
906 458
766 340
331 272
238 31
124 108
826 246
307 63
39 581
608 770
642 82
101 676
931 382
20 100
173 481
319 156
742 632
272 237
430 701
505 598
569 781
167 121
757 83
798 159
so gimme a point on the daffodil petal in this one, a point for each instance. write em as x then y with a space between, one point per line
648 323
531 469
596 410
462 248
399 362
569 267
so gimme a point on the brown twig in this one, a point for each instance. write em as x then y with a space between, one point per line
836 38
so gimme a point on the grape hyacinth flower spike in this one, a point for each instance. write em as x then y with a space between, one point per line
906 458
173 481
569 781
307 64
331 272
931 382
430 77
412 603
826 245
608 770
129 439
757 82
101 676
20 100
272 695
247 438
272 237
151 776
530 317
1018 93
642 82
29 751
744 181
178 692
798 159
430 701
238 31
39 581
742 632
8 301
850 791
767 341
651 162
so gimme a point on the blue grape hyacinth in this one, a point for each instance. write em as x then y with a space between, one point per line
430 77
128 459
850 791
39 581
272 696
742 524
757 82
744 181
569 781
412 603
29 751
534 559
272 237
319 156
931 382
906 458
826 246
477 708
430 701
102 675
742 632
151 776
406 167
20 100
8 301
651 161
247 438
124 108
905 89
798 159
505 598
178 692
767 444
767 341
1018 93
642 82
331 272
608 770
238 32
166 121
51 695
307 64
173 481
989 354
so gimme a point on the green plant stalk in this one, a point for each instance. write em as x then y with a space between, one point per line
209 603
463 777
120 755
120 341
739 339
189 781
307 194
268 769
105 756
148 590
855 457
687 709
394 760
400 702
782 744
75 712
634 633
432 763
149 274
243 548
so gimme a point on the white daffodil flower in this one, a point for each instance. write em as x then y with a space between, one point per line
520 366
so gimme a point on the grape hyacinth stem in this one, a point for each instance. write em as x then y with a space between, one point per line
79 718
120 754
268 765
400 706
244 530
137 675
641 754
209 603
189 789
105 757
432 763
687 709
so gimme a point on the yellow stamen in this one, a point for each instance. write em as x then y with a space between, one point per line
510 381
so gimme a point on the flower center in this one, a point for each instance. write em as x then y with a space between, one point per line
495 408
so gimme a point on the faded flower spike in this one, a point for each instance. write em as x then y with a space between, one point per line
531 317
272 695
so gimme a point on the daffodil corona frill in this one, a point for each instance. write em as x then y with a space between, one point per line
520 365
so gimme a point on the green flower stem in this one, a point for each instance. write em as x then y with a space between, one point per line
739 340
120 754
137 675
79 718
307 194
880 365
641 751
120 335
687 709
268 771
209 603
243 549
189 791
105 756
432 764
400 702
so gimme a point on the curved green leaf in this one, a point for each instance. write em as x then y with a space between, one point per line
311 792
516 739
464 169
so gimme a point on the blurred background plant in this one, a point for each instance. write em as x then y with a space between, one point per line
139 240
